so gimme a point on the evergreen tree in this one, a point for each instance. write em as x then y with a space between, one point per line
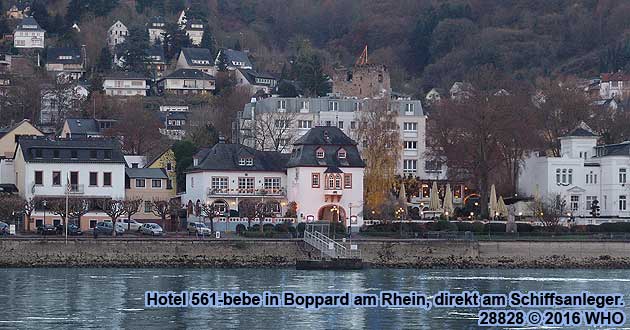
104 62
134 49
175 6
223 61
208 41
307 68
40 14
174 40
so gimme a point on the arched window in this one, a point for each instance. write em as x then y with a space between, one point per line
333 181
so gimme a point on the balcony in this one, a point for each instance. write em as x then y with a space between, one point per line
75 189
245 192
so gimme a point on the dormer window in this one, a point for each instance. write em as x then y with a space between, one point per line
246 162
320 153
341 154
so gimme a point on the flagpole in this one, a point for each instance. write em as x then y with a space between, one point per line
67 197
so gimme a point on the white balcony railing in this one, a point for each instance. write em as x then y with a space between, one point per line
246 192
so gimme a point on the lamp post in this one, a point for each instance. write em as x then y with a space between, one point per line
350 220
44 203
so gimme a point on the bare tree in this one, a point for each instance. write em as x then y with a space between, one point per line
549 212
273 131
161 208
379 134
247 209
114 208
10 206
131 206
76 208
59 98
29 208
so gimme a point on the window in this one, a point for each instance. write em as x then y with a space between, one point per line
410 127
315 180
219 183
328 123
147 206
340 125
272 184
246 184
140 183
353 125
74 154
410 165
108 154
357 106
575 203
93 223
622 175
93 154
341 154
333 106
564 176
93 179
169 167
304 105
622 203
156 183
409 109
589 202
305 123
281 123
107 179
38 153
56 178
411 145
282 104
333 181
246 162
320 153
39 178
347 181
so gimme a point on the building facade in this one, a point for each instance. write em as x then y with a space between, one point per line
116 34
584 172
362 81
125 84
28 34
290 118
187 81
67 62
150 185
196 58
194 31
156 29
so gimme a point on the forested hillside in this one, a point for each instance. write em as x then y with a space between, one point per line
425 43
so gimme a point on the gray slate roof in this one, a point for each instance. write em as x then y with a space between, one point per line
86 126
189 74
226 156
155 55
579 131
251 75
53 54
237 56
29 21
83 147
145 173
331 140
619 149
198 54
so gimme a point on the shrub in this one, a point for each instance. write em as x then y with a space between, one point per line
240 228
267 227
524 228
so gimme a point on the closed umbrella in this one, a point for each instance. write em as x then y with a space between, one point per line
448 200
434 203
493 201
402 195
501 208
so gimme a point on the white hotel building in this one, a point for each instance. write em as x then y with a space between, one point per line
583 173
323 173
344 113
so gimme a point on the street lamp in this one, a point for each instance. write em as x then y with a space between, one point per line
44 203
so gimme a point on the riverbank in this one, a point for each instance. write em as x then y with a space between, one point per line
283 253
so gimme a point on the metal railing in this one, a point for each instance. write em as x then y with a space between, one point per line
328 246
246 192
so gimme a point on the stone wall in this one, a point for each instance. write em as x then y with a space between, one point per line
283 253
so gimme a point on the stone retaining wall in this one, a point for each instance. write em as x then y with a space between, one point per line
283 253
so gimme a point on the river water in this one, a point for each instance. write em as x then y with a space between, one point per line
93 298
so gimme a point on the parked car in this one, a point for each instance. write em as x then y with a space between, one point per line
131 225
4 228
47 229
152 229
198 228
106 228
73 230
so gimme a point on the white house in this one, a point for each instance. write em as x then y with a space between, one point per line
196 58
90 169
323 176
28 34
116 34
194 31
187 81
582 174
255 80
125 84
57 101
156 29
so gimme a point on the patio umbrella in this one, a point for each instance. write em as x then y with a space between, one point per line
434 203
493 201
501 208
402 195
448 200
